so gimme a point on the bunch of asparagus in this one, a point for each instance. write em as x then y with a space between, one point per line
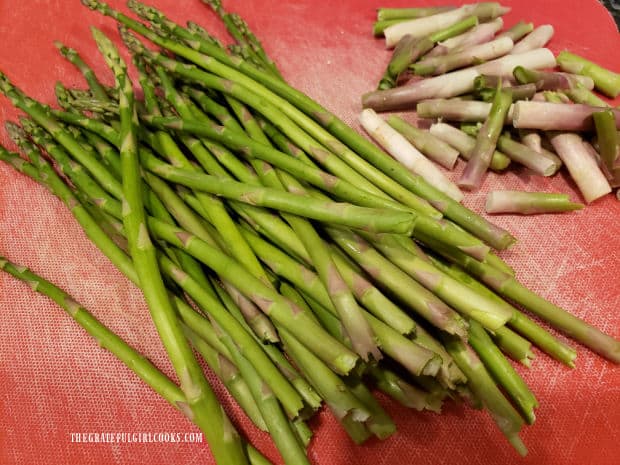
298 259
506 108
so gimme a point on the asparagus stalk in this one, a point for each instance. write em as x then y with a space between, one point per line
605 80
468 111
416 359
379 27
410 13
39 114
581 166
608 140
358 329
454 83
134 360
429 145
509 287
536 39
466 57
458 296
513 345
485 389
104 336
465 143
518 31
367 152
503 372
406 153
309 395
421 27
269 301
97 89
528 203
478 35
538 58
228 373
401 58
410 48
519 322
581 94
391 277
546 80
277 424
371 219
481 154
544 163
346 407
223 438
556 116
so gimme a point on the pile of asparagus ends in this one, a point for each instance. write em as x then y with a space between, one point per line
506 102
302 263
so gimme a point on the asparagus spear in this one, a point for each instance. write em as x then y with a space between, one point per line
223 438
97 89
366 150
536 39
546 80
605 80
425 142
528 203
609 145
371 219
518 31
582 167
421 27
410 13
457 110
481 154
406 153
391 277
519 322
39 114
485 389
544 163
410 48
451 291
478 35
509 287
502 371
466 57
465 143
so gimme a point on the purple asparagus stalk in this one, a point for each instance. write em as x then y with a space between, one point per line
486 141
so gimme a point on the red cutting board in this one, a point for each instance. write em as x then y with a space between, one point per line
55 381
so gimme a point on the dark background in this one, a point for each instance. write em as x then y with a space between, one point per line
614 7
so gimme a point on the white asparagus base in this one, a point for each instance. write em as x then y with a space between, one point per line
528 203
581 165
478 35
407 154
454 83
550 116
535 39
466 57
422 27
464 111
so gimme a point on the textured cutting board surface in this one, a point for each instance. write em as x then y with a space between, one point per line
54 380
